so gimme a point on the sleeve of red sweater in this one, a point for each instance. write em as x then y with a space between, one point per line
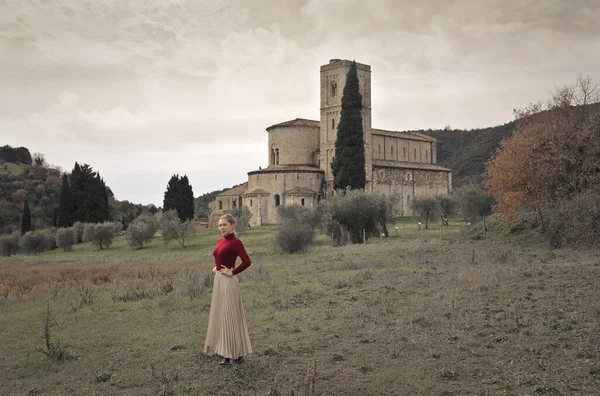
241 252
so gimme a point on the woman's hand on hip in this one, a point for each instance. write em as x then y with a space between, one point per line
226 271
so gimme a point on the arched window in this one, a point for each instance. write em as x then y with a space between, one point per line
404 152
220 204
276 156
234 203
250 203
426 155
379 148
415 151
302 201
333 89
277 203
333 123
392 151
272 156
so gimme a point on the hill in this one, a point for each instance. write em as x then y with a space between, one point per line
22 177
467 151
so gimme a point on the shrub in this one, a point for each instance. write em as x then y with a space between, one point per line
9 244
33 242
426 208
100 234
50 235
172 228
78 228
141 231
296 228
355 214
65 238
574 222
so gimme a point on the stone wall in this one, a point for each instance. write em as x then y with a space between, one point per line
406 184
276 183
294 144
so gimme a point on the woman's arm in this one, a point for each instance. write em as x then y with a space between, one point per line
241 252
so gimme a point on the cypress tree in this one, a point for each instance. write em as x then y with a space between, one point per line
349 162
65 204
179 196
26 218
171 194
89 195
187 200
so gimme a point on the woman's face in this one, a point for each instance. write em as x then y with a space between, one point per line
226 227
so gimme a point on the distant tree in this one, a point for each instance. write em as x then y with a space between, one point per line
89 196
78 229
33 242
349 162
65 203
447 206
65 238
354 216
141 231
476 203
174 229
101 234
26 218
180 197
17 155
152 209
425 208
39 159
9 244
552 157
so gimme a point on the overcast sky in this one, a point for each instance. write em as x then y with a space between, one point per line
143 89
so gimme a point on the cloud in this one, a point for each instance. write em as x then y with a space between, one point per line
151 88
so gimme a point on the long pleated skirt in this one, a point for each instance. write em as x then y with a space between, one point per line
227 333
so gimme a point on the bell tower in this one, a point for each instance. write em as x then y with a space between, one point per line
333 81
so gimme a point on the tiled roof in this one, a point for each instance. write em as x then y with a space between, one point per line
239 190
402 135
408 165
300 191
287 168
258 191
298 122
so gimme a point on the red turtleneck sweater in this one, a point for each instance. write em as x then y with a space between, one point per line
228 249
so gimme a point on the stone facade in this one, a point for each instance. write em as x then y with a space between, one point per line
300 153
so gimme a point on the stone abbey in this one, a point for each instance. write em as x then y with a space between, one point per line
401 164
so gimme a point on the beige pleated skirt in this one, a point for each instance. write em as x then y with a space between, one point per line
227 333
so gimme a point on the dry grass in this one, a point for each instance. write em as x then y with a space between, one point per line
407 315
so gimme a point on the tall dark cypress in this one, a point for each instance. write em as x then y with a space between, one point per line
89 195
179 196
77 188
65 203
349 162
171 194
26 218
187 199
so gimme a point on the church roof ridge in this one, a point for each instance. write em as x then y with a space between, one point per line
296 122
239 190
402 134
298 190
408 165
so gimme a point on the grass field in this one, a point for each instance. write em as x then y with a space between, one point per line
418 313
8 168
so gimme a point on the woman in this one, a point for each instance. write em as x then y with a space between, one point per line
227 333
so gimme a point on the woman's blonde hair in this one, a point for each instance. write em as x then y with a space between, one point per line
228 218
